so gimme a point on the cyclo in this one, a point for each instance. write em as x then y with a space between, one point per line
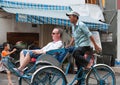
47 70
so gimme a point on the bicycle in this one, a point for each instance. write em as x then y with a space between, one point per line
46 71
98 74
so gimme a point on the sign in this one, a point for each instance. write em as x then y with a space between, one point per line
106 37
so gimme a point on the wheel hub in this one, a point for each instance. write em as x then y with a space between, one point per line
102 82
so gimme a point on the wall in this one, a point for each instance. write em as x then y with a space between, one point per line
10 25
111 12
5 26
118 37
45 34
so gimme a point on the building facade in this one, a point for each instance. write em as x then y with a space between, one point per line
118 31
112 17
9 24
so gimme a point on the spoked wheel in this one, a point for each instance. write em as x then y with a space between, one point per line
101 75
48 75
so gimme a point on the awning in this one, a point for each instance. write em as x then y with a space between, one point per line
32 3
47 14
22 5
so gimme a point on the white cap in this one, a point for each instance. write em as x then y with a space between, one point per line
72 13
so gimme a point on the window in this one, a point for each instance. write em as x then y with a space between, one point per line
100 2
103 3
13 37
91 1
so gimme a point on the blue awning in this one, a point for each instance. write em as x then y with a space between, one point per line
21 5
63 22
47 14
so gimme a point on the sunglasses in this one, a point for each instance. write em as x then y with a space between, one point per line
54 33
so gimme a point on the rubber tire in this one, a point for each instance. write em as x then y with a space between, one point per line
102 68
40 75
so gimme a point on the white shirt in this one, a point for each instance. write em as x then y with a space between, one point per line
53 45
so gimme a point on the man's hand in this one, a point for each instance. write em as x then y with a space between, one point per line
98 49
38 51
71 43
67 46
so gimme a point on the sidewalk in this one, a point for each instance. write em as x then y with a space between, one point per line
116 69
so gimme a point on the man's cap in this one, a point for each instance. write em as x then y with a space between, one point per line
72 13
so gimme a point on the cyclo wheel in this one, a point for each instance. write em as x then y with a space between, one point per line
42 60
101 74
38 65
48 75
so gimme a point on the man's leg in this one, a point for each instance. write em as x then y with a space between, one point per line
80 75
25 61
22 57
77 54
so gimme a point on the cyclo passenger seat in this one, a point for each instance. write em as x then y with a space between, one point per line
59 54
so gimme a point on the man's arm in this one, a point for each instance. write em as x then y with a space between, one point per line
49 46
38 51
97 48
89 34
71 42
41 51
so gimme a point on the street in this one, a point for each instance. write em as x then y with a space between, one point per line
3 79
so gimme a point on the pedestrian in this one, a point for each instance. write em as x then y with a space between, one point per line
6 52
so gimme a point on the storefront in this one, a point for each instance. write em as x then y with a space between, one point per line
54 13
49 15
